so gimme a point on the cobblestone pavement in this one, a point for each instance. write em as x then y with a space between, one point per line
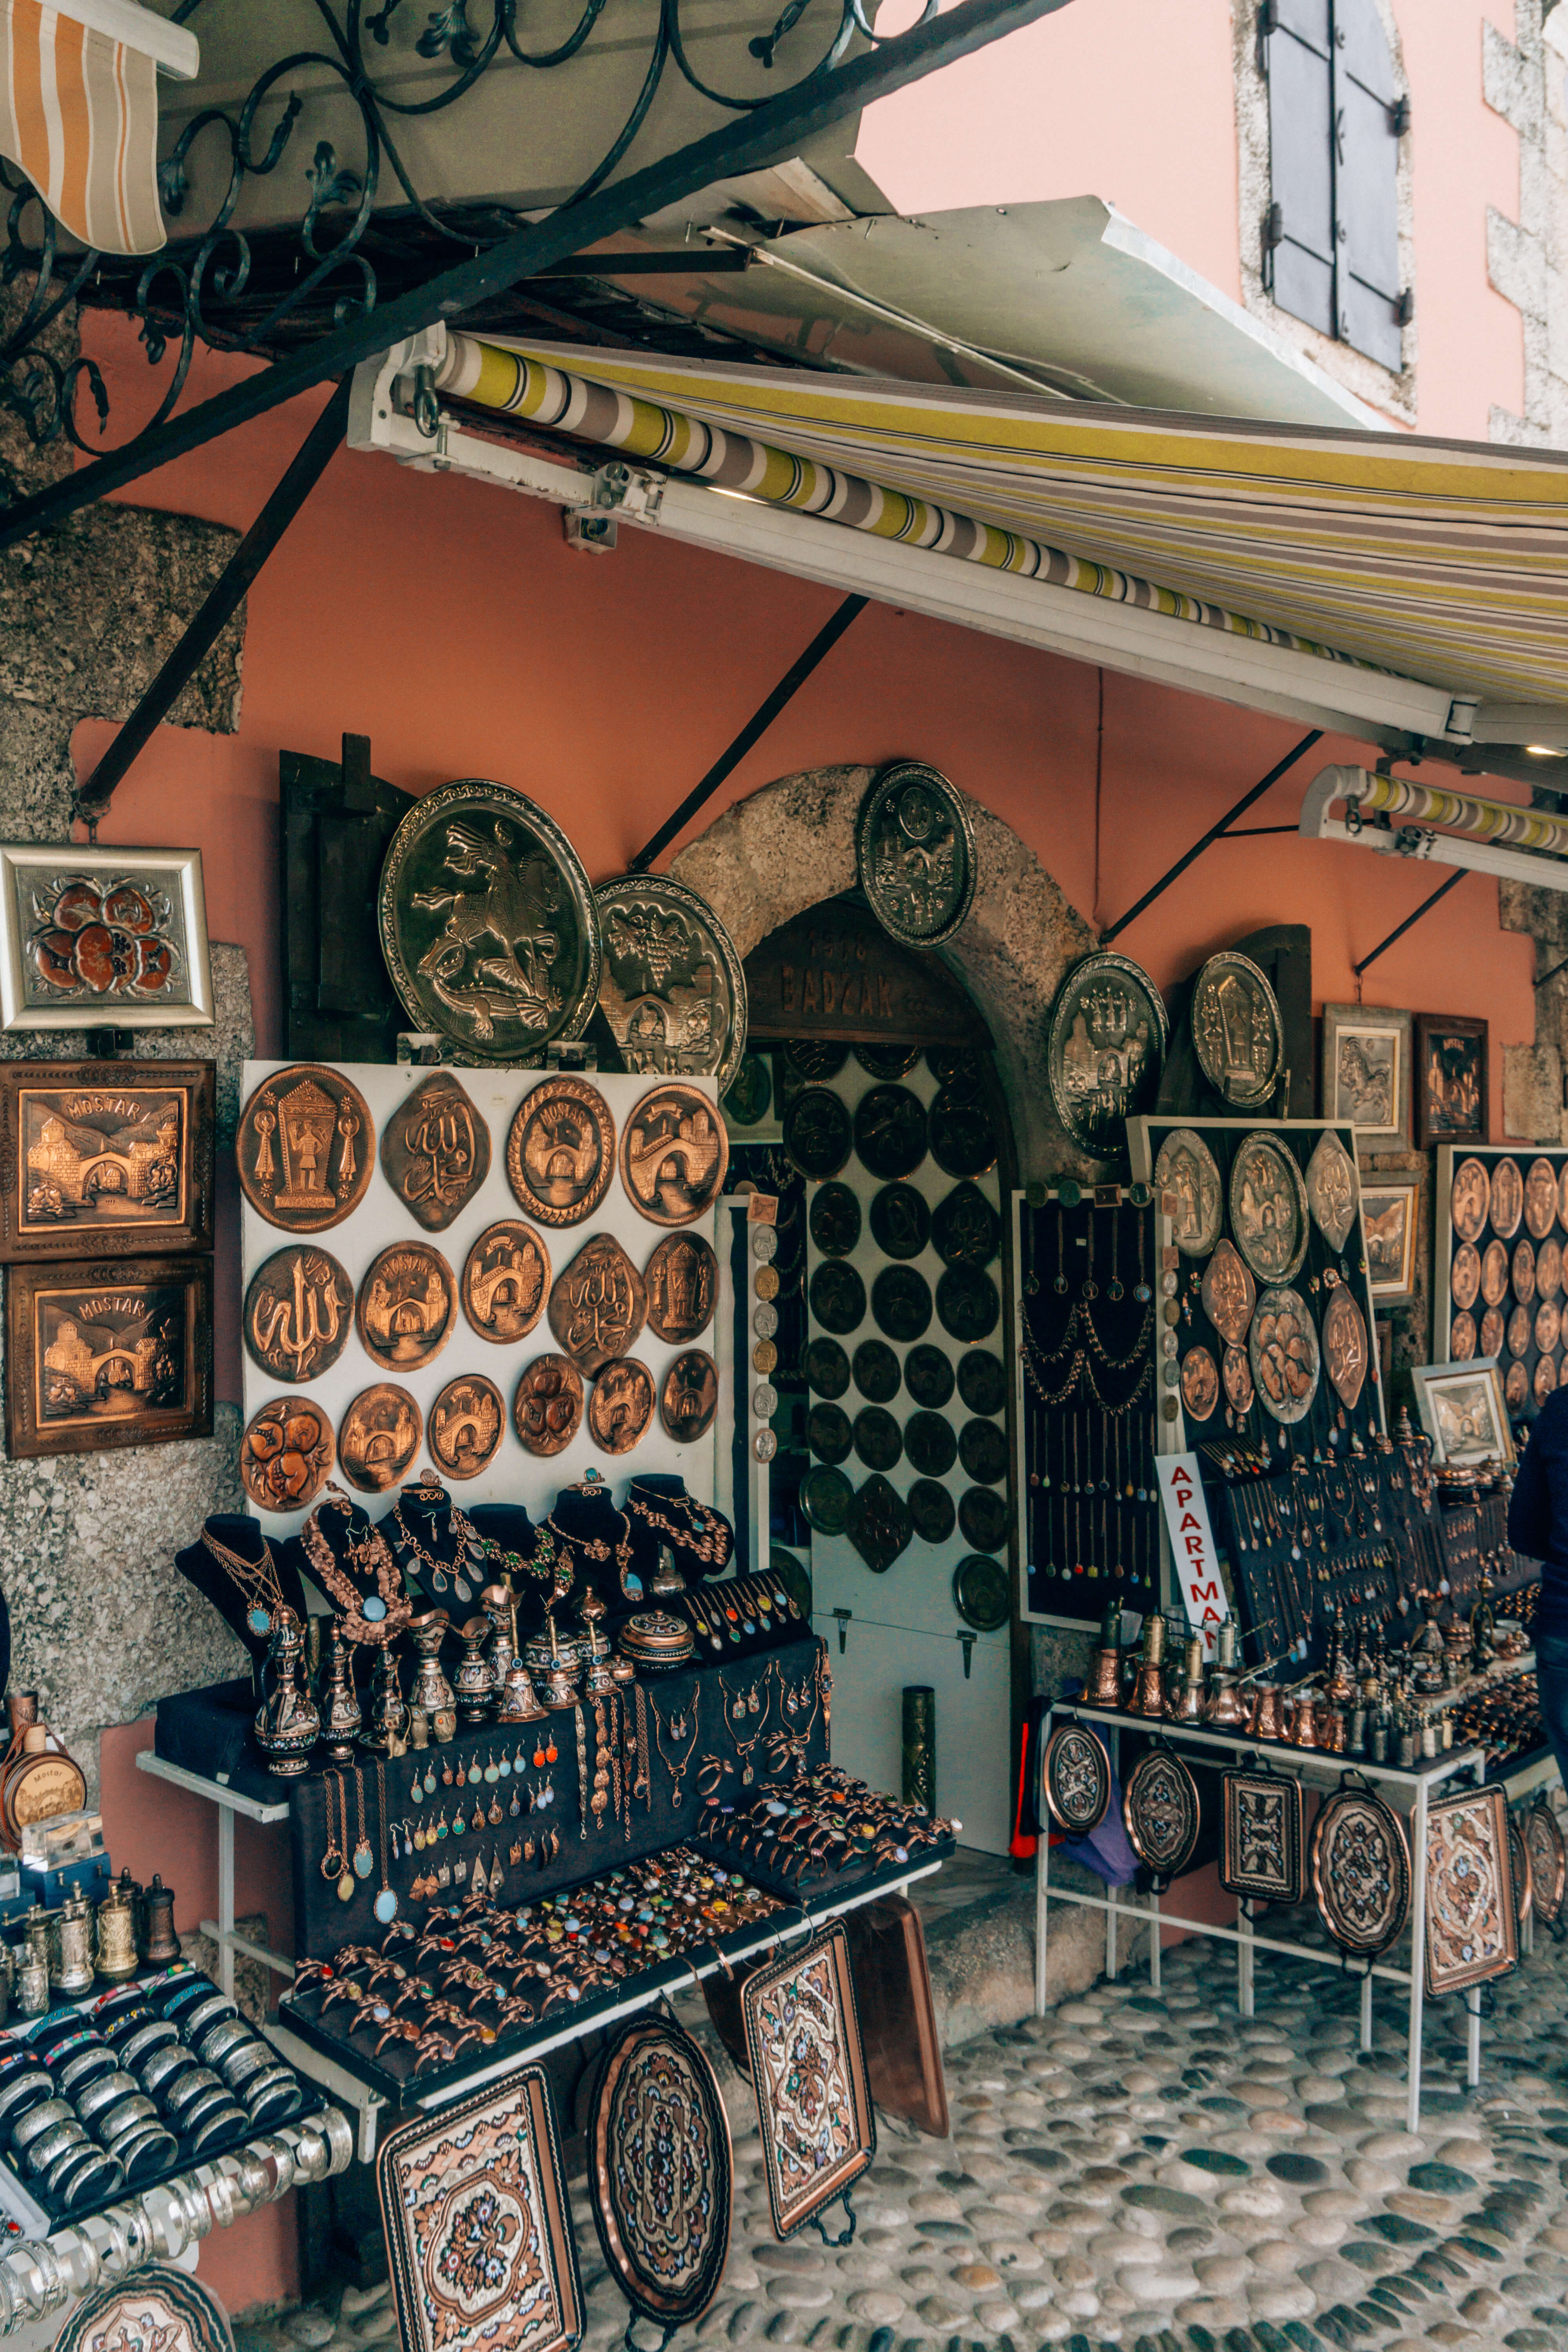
1157 2173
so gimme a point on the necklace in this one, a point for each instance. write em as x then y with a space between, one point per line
704 1535
334 1859
676 1768
385 1901
595 1547
376 1617
256 1579
361 1854
470 1543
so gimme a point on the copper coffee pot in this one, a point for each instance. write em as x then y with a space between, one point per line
1268 1712
1186 1705
1104 1688
1303 1730
1149 1689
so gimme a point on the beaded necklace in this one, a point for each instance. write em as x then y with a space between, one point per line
256 1579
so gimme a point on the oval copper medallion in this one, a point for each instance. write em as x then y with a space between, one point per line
561 1152
689 1397
1360 1871
304 1148
1562 1194
674 1153
1075 1777
1540 1199
435 1150
1491 1332
1345 1351
1462 1335
286 1454
1236 1374
1516 1387
681 1282
1548 1859
599 1303
1200 1383
465 1424
1545 1379
622 1404
1494 1276
1228 1294
506 1281
1470 1200
1507 1199
1285 1362
298 1312
657 2115
1160 1811
547 1410
1524 1272
1519 1327
1548 1325
378 1437
407 1306
1549 1268
1465 1275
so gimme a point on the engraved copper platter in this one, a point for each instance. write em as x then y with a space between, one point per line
1540 1199
561 1153
965 1228
1346 1349
1333 1188
891 1131
286 1454
982 1382
407 1306
878 1443
826 1498
835 1220
547 1409
1360 1870
466 1424
902 1303
1508 1198
1160 1812
1549 1268
660 2171
1186 1169
1470 1200
1268 1208
1235 1374
599 1303
982 1593
1516 1387
298 1312
1524 1272
1491 1333
1237 1033
1075 1779
305 1148
962 1132
621 1406
506 1281
1283 1347
1228 1294
877 1373
1545 1378
689 1397
1471 1930
488 924
673 1151
826 1367
1462 1334
1200 1383
681 1281
914 853
929 1377
1548 1325
1105 1050
671 988
808 2071
1519 1331
1548 1859
435 1151
1465 1275
378 1437
932 1512
1493 1277
1263 1852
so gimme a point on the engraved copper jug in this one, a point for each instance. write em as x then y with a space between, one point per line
1268 1714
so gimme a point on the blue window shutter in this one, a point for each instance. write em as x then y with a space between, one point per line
1301 161
1366 193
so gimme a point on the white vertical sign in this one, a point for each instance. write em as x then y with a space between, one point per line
1194 1560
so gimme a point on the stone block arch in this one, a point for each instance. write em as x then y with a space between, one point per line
790 844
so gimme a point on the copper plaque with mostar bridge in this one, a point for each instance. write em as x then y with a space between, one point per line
561 1152
407 1306
674 1152
506 1282
808 2071
1075 1777
1360 1870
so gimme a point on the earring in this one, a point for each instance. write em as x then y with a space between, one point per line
539 1758
459 1872
440 1829
494 1814
516 1805
445 1772
459 1823
528 1848
503 1768
552 1753
493 1770
515 1856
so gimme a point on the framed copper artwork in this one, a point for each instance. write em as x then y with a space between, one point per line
1472 1928
107 1355
660 2171
1464 1410
1366 1073
478 2230
1264 1849
808 2071
903 2045
1391 1218
114 1159
1450 1079
91 935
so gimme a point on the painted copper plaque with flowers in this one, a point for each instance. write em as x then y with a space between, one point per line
660 2171
1472 1931
813 2102
93 935
1264 1852
1360 1870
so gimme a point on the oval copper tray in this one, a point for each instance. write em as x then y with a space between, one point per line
1360 1871
1075 1778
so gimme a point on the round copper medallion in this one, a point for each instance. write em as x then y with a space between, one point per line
299 1311
674 1153
1470 1200
1563 1195
1283 1346
1507 1199
305 1147
1493 1278
1516 1387
1524 1272
1519 1331
660 2172
547 1410
1360 1871
1462 1335
1548 1325
506 1281
407 1306
286 1454
435 1150
1228 1294
1160 1811
1236 1374
1075 1776
561 1152
1200 1383
681 1280
1548 1859
378 1437
1540 1199
1465 1275
1545 1379
1491 1333
1549 1269
622 1404
465 1424
689 1396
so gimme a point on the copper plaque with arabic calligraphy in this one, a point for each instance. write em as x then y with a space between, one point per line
435 1151
599 1303
298 1312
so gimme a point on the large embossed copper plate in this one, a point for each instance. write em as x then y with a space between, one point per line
561 1152
1264 1849
1105 1050
1548 1859
675 1149
1075 1779
1160 1811
1548 1325
1470 1200
1228 1293
813 2102
1471 1930
1236 1373
914 853
1346 1353
660 2171
298 1312
1186 1170
671 988
1540 1199
1519 1331
1360 1871
305 1147
488 923
1283 1347
1333 1188
1268 1208
478 2228
1237 1033
1515 1387
1508 1198
435 1150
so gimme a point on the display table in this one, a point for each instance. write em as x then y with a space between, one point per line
228 1801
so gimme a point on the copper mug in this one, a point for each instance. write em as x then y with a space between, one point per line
1304 1732
1268 1714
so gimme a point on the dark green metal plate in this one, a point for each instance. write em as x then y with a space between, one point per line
838 1296
877 1441
826 1495
981 1595
963 1140
928 1376
968 1303
817 1133
932 1512
900 1303
877 1373
983 1449
900 1221
879 1526
826 1367
891 1131
982 1381
965 1228
835 1220
930 1444
983 1515
828 1432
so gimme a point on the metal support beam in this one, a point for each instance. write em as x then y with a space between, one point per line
223 601
1400 929
1214 832
759 137
1551 975
794 678
685 260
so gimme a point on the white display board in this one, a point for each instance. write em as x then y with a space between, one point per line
512 1475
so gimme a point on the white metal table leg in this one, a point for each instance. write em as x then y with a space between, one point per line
1111 1921
1245 1956
1154 1943
1366 2011
226 1899
1418 1950
1042 1896
1473 2037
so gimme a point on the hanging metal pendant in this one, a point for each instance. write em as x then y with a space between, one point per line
1160 1811
363 1861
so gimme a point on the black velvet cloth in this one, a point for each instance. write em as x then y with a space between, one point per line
216 1584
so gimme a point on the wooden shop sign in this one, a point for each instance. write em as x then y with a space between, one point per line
834 973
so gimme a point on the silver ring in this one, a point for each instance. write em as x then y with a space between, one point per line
214 2042
40 2119
126 2117
190 2087
195 2021
50 2145
106 2093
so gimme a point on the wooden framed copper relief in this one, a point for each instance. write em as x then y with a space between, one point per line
110 1158
1472 1929
808 2071
111 1354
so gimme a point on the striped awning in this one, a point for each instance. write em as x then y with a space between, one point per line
1442 562
79 112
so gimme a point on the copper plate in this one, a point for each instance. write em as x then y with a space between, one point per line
1562 1194
466 1424
1471 1930
1200 1383
876 1372
914 854
1236 1374
1268 1208
1283 1346
561 1152
1548 1859
1493 1276
1462 1335
902 2045
378 1437
1548 1325
1491 1334
506 1280
671 990
1360 1870
1549 1268
435 1150
407 1306
674 1152
1545 1378
1160 1812
1508 1198
818 1132
298 1312
598 1305
681 1282
827 1499
1521 1869
622 1404
891 1131
547 1410
813 2102
1519 1329
1237 1033
1075 1779
1540 1198
835 1220
660 2171
689 1396
1105 1050
933 1515
1524 1272
899 1219
1263 1851
305 1147
965 1228
1470 1200
1345 1351
1228 1294
286 1454
1516 1387
1465 1275
1333 1188
1187 1171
